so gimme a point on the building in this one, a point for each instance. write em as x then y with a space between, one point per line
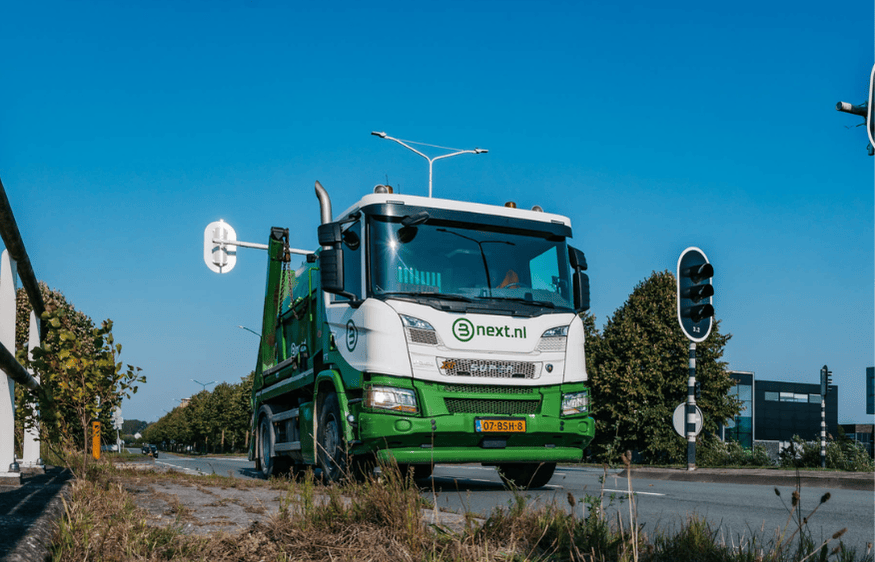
870 390
777 410
861 433
741 428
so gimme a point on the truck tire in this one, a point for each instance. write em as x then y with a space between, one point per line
331 447
268 466
526 475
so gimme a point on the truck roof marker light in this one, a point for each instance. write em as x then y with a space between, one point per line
538 209
380 188
510 204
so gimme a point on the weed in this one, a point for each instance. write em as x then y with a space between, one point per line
381 519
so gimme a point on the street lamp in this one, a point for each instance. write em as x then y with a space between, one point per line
430 160
249 330
204 384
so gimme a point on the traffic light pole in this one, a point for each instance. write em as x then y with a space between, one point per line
691 410
825 379
695 313
822 431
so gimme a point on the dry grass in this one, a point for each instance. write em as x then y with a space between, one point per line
382 520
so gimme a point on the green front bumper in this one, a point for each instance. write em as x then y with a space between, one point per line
437 435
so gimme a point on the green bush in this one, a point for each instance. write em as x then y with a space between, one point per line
713 452
841 454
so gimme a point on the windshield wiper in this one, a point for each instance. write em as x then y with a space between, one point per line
547 304
432 295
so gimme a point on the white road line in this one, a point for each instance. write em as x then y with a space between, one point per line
634 492
182 468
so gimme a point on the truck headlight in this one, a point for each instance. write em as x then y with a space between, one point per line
553 339
575 403
419 331
390 398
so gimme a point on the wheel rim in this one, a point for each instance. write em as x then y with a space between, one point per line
331 442
265 448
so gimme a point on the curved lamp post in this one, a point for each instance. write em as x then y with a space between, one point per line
430 160
204 384
249 330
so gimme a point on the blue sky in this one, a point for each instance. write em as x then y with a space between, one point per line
128 126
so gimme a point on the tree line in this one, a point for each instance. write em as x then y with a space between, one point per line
214 421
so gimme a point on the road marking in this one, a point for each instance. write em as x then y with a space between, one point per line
182 468
634 492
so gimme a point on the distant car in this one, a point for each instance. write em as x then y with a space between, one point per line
154 450
145 449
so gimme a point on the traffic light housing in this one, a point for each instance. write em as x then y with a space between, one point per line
825 380
695 291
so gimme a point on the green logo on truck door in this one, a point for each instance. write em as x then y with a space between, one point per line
352 335
464 330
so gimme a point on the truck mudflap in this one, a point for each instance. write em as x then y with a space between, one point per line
460 438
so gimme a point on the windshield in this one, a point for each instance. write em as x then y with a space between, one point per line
444 259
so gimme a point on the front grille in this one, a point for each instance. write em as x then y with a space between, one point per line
425 337
493 407
480 389
487 368
552 344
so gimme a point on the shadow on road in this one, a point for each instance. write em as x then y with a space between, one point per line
22 506
447 484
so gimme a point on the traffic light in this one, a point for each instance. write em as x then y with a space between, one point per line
825 380
697 390
694 294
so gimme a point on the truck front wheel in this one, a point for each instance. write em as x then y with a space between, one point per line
267 465
330 443
526 475
265 446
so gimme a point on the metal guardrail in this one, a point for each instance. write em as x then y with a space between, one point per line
15 248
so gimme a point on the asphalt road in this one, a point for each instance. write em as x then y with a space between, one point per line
735 511
235 467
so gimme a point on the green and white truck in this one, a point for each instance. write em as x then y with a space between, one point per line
424 331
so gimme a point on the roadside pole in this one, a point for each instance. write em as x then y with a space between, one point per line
825 381
691 410
695 313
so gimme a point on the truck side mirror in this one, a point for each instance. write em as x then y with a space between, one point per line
331 270
576 258
580 279
331 275
329 234
581 291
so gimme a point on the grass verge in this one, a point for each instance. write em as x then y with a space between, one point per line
382 519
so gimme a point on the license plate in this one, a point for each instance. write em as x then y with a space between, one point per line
500 426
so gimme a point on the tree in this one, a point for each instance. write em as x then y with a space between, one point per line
212 419
78 368
638 369
130 427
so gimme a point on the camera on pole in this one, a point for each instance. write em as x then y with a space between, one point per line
695 293
866 110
